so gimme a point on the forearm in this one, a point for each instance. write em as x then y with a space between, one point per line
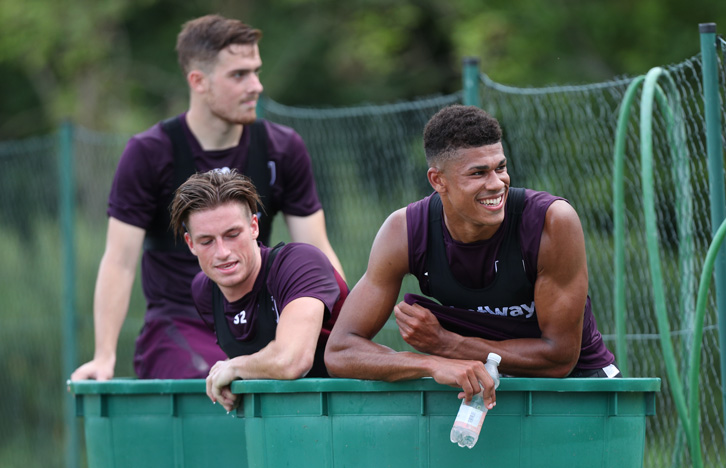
110 306
273 362
523 357
361 358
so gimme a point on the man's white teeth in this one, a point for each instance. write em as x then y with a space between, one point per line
492 201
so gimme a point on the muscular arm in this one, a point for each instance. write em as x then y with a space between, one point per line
289 356
311 230
560 294
351 352
111 297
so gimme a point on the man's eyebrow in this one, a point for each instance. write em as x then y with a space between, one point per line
245 70
486 167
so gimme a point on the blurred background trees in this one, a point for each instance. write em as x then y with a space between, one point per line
111 65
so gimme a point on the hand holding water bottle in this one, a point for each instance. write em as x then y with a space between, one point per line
470 418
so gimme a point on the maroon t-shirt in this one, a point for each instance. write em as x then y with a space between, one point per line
474 266
298 270
145 177
174 343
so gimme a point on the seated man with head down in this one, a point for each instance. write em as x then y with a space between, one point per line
272 309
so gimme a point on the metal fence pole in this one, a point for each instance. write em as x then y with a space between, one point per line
68 260
470 78
714 148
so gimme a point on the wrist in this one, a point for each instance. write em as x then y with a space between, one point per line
105 357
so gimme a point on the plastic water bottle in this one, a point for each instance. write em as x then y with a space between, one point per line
471 415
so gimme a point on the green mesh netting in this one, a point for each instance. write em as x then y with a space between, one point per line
368 162
560 139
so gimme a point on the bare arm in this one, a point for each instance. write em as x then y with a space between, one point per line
311 230
289 356
111 297
351 352
560 293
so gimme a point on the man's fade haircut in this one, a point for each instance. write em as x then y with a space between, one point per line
201 39
208 190
458 127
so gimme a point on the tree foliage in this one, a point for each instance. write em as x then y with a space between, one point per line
111 65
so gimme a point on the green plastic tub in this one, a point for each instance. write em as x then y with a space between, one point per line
536 423
133 423
317 423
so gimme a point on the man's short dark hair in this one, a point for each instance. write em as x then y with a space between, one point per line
458 127
201 40
208 190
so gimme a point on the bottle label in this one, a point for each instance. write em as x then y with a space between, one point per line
470 418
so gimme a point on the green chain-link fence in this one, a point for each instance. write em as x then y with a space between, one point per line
369 161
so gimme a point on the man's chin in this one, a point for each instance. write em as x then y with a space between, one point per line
248 120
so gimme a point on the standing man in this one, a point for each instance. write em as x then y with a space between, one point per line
221 61
506 265
272 309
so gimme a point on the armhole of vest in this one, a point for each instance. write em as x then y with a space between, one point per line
434 241
270 259
182 153
221 327
257 170
159 236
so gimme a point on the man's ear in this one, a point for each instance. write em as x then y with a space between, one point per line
197 81
437 179
255 227
190 242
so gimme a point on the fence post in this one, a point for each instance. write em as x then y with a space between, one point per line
470 78
66 199
716 176
260 107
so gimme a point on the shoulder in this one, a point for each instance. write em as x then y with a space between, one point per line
151 138
417 213
420 207
302 270
389 253
537 205
282 139
202 290
539 201
147 149
300 253
395 224
553 207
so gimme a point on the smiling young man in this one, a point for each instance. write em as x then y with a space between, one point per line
506 267
221 61
271 309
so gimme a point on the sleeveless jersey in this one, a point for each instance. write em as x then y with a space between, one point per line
486 288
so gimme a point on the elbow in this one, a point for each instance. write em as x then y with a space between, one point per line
295 367
334 361
559 372
564 367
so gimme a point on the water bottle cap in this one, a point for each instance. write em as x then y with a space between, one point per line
494 357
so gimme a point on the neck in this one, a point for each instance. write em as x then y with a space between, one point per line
462 229
211 132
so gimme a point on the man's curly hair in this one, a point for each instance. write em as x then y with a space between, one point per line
458 127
